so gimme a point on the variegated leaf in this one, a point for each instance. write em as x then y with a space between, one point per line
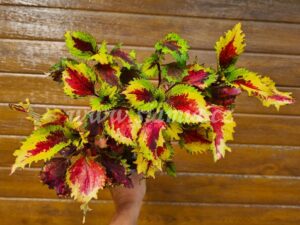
53 117
195 140
142 95
221 130
148 167
108 73
80 44
79 80
123 126
56 71
127 59
173 72
184 104
174 45
263 88
42 144
200 76
85 177
230 46
151 138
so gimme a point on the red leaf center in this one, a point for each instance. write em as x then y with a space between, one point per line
80 84
227 54
183 103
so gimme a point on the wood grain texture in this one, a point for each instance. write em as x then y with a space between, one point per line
21 56
208 188
251 129
244 159
51 24
275 10
67 213
42 90
256 184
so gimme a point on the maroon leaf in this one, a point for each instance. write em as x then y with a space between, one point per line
108 73
53 174
116 171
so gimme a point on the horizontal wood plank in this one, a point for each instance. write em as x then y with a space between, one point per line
275 10
208 188
244 159
15 211
251 129
201 33
42 90
37 57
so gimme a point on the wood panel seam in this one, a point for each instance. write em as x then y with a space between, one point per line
145 47
198 174
197 204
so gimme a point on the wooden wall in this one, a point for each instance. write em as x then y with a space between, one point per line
257 184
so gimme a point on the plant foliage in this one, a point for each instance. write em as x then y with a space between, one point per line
134 120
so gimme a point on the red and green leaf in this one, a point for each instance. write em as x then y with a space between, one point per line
264 89
195 140
56 71
127 59
174 45
108 73
230 46
123 126
80 44
85 178
221 130
141 94
79 80
184 104
151 138
148 167
53 117
42 144
173 72
200 76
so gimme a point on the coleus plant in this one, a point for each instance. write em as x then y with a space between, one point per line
134 118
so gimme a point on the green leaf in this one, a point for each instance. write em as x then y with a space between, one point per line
149 67
107 98
171 169
174 45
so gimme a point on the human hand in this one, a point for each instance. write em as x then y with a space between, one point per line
128 201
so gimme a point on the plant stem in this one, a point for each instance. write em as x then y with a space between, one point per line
172 87
159 74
